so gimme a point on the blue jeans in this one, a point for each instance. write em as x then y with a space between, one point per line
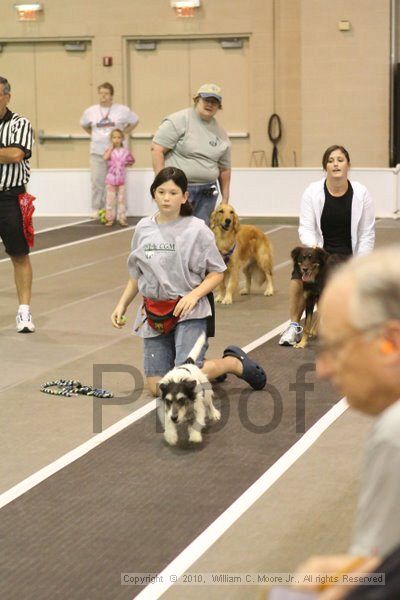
163 352
203 198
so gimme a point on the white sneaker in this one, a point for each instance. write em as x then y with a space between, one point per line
24 322
292 335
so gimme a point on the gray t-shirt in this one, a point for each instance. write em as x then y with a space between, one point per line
200 148
170 260
377 529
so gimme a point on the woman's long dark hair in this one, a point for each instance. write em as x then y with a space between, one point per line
179 178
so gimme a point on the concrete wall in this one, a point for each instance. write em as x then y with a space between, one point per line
255 192
328 86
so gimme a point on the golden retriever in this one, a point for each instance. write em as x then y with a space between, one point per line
242 247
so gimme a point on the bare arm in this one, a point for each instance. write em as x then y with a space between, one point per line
128 295
224 183
188 302
158 157
337 566
87 128
129 128
107 153
11 155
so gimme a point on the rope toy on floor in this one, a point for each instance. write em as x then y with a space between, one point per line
71 387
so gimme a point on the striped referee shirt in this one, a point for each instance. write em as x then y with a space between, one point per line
15 132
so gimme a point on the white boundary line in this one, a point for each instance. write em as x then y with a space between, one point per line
105 292
71 224
67 459
71 269
73 303
214 531
57 465
90 239
36 478
279 228
97 237
26 484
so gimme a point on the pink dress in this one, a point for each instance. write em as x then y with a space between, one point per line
119 159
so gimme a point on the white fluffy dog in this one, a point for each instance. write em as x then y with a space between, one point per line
186 397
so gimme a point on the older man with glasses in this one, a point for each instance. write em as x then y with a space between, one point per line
359 352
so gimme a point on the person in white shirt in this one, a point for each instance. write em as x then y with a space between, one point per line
99 120
336 214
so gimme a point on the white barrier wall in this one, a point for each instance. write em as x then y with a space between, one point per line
254 192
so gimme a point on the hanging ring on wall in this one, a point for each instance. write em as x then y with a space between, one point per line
274 134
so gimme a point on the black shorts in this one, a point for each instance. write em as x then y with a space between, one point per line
11 227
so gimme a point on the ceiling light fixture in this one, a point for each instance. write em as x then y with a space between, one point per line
185 8
28 12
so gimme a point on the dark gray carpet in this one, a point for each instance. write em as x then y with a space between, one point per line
134 503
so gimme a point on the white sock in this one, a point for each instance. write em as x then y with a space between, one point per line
24 308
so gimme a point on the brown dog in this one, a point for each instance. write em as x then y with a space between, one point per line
242 247
311 266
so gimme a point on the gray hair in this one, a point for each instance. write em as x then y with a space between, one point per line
6 85
375 297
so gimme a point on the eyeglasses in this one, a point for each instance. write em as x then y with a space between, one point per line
334 346
210 100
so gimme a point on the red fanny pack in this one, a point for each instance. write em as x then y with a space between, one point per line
27 210
160 314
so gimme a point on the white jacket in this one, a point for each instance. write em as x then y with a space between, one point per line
362 217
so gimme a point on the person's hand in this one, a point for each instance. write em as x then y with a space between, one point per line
186 304
333 567
339 592
118 318
318 565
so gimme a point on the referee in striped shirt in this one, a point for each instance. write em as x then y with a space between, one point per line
16 139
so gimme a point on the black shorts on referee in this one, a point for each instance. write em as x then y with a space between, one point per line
11 225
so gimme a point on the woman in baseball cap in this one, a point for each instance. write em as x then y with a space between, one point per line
193 140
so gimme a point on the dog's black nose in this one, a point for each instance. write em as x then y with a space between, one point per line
174 418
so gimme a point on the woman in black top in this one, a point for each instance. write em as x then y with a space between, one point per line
335 214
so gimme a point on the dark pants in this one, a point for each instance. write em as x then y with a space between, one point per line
203 198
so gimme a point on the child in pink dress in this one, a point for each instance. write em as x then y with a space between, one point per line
118 159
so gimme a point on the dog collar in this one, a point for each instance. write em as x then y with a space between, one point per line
228 254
